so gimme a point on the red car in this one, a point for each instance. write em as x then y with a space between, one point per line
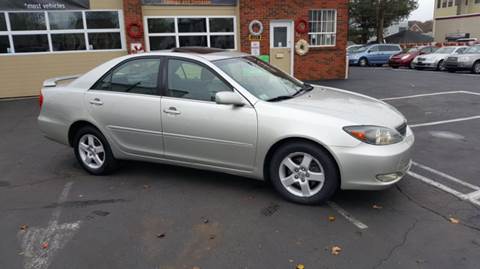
406 57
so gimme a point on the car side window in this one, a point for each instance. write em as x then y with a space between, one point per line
460 50
135 76
193 81
373 49
425 50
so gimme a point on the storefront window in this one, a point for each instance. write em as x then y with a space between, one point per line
323 27
169 32
27 21
66 31
65 20
102 20
65 42
30 43
4 44
3 24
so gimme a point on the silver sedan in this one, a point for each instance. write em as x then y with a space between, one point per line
227 112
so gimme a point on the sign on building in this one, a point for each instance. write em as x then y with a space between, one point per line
43 4
191 2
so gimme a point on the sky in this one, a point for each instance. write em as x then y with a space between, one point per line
424 11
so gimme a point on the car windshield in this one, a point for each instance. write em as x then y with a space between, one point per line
445 50
410 50
260 79
472 50
361 49
354 49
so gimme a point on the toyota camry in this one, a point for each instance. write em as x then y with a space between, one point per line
228 112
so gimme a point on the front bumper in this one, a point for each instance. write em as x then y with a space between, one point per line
458 65
360 166
424 64
353 61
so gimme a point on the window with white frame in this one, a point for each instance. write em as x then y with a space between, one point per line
170 32
322 27
54 31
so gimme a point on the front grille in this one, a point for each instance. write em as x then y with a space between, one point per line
421 59
402 129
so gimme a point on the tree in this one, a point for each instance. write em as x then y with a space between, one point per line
370 17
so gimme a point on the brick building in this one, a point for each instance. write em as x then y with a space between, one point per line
39 39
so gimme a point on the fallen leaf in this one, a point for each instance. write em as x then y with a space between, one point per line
336 250
162 235
290 260
45 245
300 266
331 218
23 227
212 236
454 220
205 220
146 186
377 207
21 253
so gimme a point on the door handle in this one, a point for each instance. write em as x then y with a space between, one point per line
96 101
172 110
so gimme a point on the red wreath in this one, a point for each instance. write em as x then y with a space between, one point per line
301 26
134 30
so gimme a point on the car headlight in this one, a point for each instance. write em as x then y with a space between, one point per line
405 57
375 135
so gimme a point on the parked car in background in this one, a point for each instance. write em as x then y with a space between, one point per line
437 59
204 108
375 54
405 58
353 48
469 60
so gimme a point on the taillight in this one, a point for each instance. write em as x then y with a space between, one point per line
40 100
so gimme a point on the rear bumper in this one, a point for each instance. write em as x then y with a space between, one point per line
53 130
361 166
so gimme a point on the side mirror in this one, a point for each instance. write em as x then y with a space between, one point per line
228 98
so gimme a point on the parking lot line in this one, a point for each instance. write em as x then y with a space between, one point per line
422 95
444 121
452 178
472 197
347 215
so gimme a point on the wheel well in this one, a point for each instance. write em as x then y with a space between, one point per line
285 141
75 127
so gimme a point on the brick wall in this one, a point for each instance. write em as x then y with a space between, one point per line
132 13
319 63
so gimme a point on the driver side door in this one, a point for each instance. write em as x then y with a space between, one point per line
198 130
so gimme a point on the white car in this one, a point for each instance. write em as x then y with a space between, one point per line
228 112
437 60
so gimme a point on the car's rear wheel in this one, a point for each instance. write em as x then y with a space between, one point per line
93 151
304 173
441 66
476 67
363 62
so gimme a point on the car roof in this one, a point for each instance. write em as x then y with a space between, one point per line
209 54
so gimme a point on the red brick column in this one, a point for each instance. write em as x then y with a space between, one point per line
132 14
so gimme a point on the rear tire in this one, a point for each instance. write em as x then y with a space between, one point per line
93 151
441 66
304 173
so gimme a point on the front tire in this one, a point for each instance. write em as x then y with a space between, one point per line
363 62
476 67
304 173
441 66
93 151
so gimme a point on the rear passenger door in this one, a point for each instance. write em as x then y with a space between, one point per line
386 51
125 104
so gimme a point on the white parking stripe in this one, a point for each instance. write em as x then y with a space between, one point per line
452 178
444 121
438 185
472 197
421 95
347 215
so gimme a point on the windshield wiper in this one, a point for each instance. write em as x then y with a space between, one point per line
306 88
280 98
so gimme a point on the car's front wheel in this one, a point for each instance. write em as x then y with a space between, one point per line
93 151
363 62
441 66
476 68
304 173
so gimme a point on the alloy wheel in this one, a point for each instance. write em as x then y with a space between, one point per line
301 174
442 66
476 68
91 150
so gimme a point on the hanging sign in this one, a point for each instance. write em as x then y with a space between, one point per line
43 4
255 48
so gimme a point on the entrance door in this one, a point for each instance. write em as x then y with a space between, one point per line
281 45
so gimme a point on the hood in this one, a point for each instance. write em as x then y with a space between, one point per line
434 56
347 106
